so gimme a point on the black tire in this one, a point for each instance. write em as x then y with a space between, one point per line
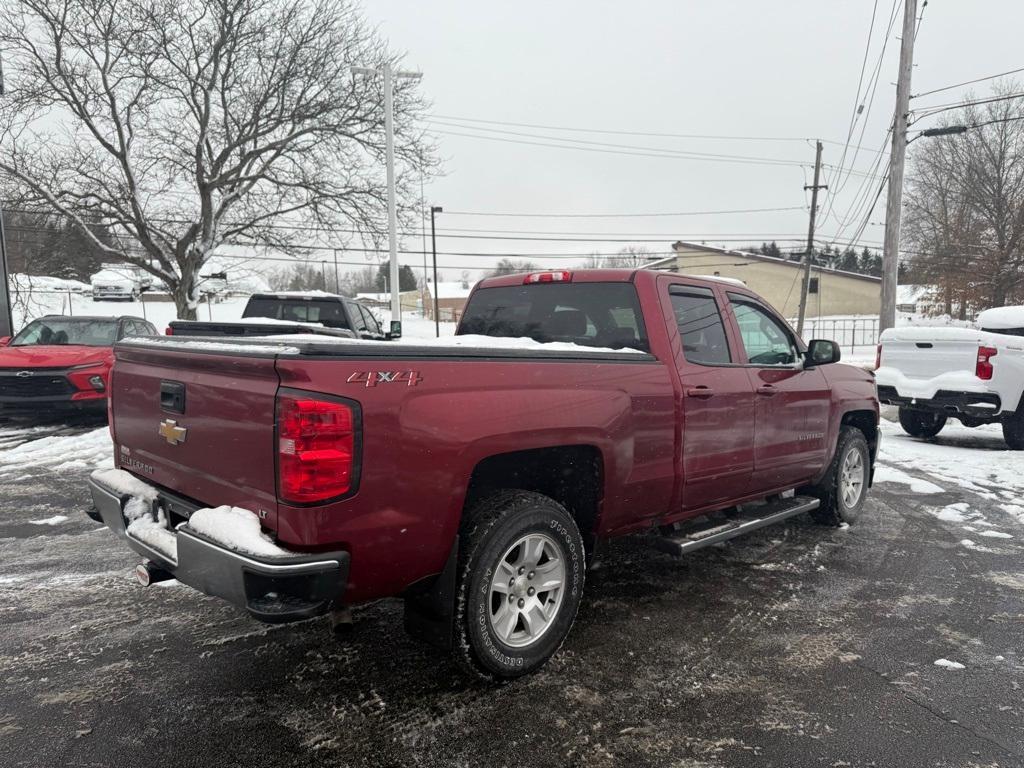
1013 430
835 507
489 530
921 423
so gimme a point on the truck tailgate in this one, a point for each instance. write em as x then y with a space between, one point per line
924 353
220 447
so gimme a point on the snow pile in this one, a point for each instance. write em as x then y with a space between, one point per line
145 525
887 474
60 453
151 529
20 282
124 483
949 664
237 529
55 520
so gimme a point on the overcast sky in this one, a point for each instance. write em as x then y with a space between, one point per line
750 68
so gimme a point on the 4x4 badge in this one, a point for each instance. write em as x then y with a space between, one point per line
171 432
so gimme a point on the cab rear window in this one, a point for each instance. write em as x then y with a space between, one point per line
590 314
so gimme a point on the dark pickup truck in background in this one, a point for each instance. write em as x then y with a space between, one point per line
275 314
475 476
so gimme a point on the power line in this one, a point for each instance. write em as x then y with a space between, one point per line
617 215
938 108
966 82
652 152
860 80
841 182
622 133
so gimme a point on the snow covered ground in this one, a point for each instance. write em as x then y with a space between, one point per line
976 460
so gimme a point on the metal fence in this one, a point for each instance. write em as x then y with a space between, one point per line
848 332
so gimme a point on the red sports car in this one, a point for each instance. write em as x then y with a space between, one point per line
62 363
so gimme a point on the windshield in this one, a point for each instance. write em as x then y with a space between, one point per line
328 313
590 314
93 332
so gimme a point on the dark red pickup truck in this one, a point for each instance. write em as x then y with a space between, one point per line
475 478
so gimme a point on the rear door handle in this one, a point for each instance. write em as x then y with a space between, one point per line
701 392
767 390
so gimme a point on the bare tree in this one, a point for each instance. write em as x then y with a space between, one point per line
507 267
187 124
630 257
965 208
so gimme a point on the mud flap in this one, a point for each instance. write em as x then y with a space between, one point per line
429 613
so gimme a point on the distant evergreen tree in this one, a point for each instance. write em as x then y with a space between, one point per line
406 277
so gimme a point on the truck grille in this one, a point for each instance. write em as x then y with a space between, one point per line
39 384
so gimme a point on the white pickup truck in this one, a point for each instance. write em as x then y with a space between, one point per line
975 375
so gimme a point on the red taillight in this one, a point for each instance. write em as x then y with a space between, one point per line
316 449
878 357
548 277
983 370
169 331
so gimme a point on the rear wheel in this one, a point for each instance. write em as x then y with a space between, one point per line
921 423
1013 430
521 571
844 488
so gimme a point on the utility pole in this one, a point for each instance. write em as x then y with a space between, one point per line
894 200
6 320
389 150
806 287
337 286
433 247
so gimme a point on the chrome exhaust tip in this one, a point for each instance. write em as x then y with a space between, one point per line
147 573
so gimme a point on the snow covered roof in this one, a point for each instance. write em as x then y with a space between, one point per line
453 290
1002 317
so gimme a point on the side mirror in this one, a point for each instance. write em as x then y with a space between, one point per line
822 352
5 341
396 329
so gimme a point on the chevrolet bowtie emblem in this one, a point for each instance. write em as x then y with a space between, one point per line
171 432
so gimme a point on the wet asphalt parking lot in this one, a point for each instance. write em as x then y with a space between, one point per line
796 646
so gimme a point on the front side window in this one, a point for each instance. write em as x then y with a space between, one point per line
766 340
357 318
94 332
700 326
371 322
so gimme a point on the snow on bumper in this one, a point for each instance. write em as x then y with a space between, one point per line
952 392
220 552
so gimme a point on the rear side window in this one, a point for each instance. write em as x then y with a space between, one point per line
590 314
700 326
327 313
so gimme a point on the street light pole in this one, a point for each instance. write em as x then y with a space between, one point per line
433 247
337 288
389 151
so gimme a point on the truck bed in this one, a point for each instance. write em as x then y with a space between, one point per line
424 425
